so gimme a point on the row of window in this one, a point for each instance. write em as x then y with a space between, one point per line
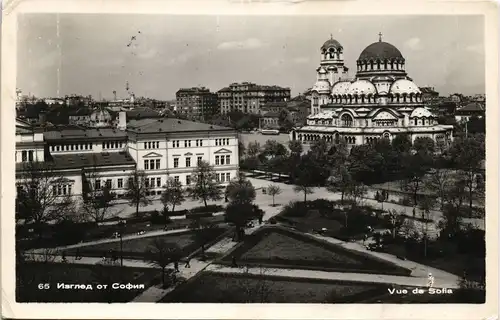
72 147
112 145
152 145
61 189
152 164
187 163
222 142
27 155
223 177
222 160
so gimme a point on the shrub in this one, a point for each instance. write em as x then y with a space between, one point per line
405 201
157 218
199 215
294 209
272 220
212 208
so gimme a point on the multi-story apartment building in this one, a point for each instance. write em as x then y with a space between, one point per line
161 147
249 97
196 103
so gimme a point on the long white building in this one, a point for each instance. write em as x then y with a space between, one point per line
161 147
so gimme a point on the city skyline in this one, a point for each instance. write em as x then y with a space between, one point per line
158 55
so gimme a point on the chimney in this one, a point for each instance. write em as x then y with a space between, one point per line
122 121
42 118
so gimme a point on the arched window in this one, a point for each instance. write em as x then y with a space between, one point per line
346 120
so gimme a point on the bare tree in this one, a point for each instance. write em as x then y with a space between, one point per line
138 190
254 289
172 195
396 219
96 198
356 192
43 194
203 231
205 187
273 190
439 182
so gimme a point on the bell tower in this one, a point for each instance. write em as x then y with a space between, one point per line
332 60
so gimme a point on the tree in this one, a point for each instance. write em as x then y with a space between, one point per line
396 219
138 190
413 177
253 149
295 147
202 231
96 198
239 214
241 191
241 147
341 182
306 176
424 145
356 192
401 143
273 155
439 182
468 153
42 195
293 160
172 195
161 253
205 186
273 190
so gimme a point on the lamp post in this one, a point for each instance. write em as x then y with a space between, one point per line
122 225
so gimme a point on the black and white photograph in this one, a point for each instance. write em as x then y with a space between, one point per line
325 158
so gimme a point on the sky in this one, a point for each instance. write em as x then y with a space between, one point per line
89 54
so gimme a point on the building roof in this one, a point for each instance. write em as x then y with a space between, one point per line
170 125
77 133
380 50
85 160
471 107
142 113
428 90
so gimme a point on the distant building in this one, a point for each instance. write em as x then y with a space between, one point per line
270 120
80 116
163 148
196 103
472 109
429 95
249 97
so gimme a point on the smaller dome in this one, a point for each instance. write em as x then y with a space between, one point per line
404 86
421 112
322 71
362 87
331 43
341 87
322 86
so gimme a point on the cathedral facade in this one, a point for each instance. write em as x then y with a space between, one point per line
380 102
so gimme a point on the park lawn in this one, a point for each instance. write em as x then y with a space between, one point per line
280 247
30 274
313 221
137 248
211 287
284 248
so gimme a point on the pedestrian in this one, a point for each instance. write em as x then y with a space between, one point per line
64 257
77 254
365 237
261 217
176 266
187 263
233 262
430 280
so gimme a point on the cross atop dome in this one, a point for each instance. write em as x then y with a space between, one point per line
331 36
380 37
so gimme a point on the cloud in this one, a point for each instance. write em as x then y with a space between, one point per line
414 44
476 48
300 60
248 44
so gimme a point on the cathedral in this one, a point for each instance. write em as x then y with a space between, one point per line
380 102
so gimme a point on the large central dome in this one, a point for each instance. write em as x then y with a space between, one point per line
380 50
